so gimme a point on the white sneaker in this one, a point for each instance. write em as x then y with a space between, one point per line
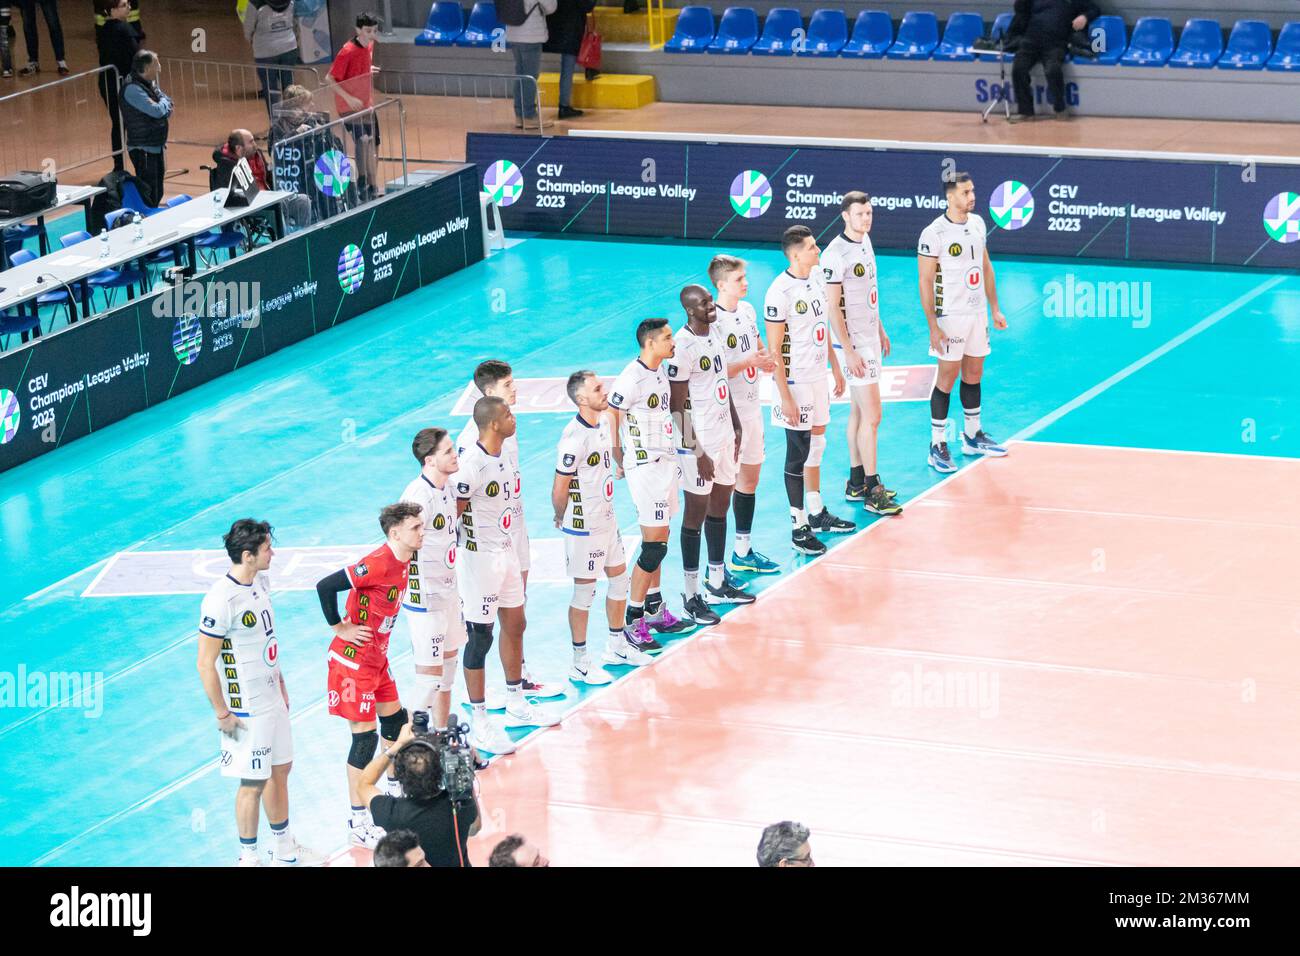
487 736
299 855
367 835
593 676
541 689
495 698
528 714
626 655
246 860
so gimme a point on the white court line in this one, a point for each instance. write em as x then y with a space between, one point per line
1208 322
73 576
1159 451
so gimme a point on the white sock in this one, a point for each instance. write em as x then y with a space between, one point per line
715 576
247 850
478 711
798 517
514 694
360 816
938 431
742 544
580 655
814 502
617 639
692 583
283 840
972 421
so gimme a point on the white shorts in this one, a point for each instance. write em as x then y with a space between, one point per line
967 334
488 580
435 631
870 358
654 491
265 741
751 434
724 466
814 401
586 555
519 537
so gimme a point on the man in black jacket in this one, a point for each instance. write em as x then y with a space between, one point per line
1042 29
564 29
146 110
118 46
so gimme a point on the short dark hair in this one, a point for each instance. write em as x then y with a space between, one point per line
140 62
393 515
852 198
426 442
104 7
794 236
489 373
234 140
246 534
954 180
647 328
367 19
392 849
419 770
503 854
781 841
575 382
487 410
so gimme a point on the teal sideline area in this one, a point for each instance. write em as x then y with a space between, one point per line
316 438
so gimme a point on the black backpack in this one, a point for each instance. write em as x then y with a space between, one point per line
513 13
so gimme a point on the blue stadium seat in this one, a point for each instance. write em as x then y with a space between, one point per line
694 31
873 33
828 31
1000 27
737 32
779 33
1109 38
1248 47
1287 54
1152 43
918 35
446 22
482 24
1200 46
962 30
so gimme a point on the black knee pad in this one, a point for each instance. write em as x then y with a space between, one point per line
797 447
363 749
391 726
652 555
477 645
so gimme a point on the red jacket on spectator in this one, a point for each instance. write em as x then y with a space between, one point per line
226 157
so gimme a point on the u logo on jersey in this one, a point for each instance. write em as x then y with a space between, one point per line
608 490
873 298
819 333
507 518
751 375
449 559
974 277
721 393
271 652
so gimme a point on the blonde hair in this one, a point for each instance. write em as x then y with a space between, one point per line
722 266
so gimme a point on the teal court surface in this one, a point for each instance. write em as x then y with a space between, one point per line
103 540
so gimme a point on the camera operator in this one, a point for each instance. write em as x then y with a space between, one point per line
441 824
1041 31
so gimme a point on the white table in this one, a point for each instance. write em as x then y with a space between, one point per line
64 196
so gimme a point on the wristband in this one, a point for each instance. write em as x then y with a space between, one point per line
224 716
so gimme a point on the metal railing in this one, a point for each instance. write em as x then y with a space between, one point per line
210 97
58 126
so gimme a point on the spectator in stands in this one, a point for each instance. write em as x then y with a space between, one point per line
564 29
515 850
352 71
239 145
400 849
49 10
132 20
269 26
117 48
526 42
6 37
294 165
1041 30
146 110
785 844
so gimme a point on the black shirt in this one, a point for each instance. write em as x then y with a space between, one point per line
1048 22
432 822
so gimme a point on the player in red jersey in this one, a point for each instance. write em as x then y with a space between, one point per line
361 686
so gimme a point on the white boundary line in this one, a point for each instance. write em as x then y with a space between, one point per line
71 577
899 144
1161 451
1208 322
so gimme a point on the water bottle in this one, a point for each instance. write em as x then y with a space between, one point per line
216 205
103 243
139 228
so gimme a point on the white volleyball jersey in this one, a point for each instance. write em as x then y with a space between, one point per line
740 340
431 580
800 304
641 394
585 455
249 663
487 483
959 280
853 266
698 362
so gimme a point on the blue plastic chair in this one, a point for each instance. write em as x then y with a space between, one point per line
1287 54
23 322
481 25
59 295
1000 27
962 30
1113 37
737 32
694 31
828 31
131 199
1152 43
15 236
918 35
109 280
1249 45
1200 46
873 33
779 33
213 241
446 22
177 200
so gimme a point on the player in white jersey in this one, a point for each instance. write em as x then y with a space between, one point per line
239 666
849 268
709 455
488 573
432 600
582 497
747 359
957 292
796 315
496 378
645 451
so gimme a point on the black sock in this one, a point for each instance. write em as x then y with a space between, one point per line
715 535
634 612
794 489
742 504
857 475
690 549
939 404
872 481
653 601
